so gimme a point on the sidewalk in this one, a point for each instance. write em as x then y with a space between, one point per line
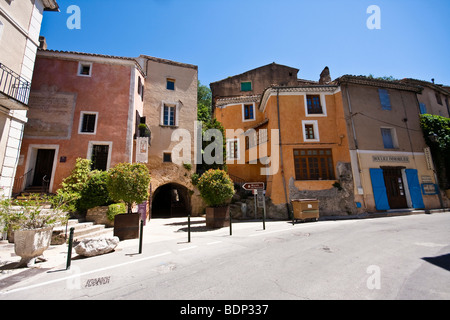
156 230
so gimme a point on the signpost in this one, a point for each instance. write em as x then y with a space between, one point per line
260 199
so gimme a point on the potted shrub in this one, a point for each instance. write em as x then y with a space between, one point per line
32 225
216 188
128 183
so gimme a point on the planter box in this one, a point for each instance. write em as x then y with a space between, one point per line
126 226
30 244
217 217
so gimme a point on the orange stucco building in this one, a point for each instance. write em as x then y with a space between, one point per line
293 138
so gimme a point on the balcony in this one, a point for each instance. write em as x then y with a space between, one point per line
14 90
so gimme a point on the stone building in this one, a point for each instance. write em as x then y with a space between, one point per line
390 166
20 24
111 109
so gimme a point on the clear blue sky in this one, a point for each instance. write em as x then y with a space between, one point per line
227 37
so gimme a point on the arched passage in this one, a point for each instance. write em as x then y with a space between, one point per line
171 200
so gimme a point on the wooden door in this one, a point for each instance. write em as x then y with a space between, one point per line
395 187
44 166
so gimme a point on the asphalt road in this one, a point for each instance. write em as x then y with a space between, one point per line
406 257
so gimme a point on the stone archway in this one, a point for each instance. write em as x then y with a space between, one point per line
171 200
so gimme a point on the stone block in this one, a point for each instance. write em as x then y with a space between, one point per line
96 246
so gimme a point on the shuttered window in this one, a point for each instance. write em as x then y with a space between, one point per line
313 164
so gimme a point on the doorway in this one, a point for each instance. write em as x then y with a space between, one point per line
395 187
43 167
171 200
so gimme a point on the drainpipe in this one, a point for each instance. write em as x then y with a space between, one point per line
281 156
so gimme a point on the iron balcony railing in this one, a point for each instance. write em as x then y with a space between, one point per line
13 85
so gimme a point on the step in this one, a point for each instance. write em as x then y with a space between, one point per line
82 230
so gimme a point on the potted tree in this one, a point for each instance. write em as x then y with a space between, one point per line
128 183
32 225
216 188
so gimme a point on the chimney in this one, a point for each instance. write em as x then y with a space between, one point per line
432 80
42 43
325 76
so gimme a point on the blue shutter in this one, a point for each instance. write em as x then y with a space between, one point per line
423 108
384 99
379 189
414 189
387 138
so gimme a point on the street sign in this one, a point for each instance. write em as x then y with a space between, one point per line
253 186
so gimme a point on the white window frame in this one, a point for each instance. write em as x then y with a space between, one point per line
315 125
82 64
322 103
101 143
231 142
243 112
80 125
175 105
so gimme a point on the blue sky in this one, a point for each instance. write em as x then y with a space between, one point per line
227 37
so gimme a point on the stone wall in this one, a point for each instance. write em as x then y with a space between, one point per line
98 215
335 201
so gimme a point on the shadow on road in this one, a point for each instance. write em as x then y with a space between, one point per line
442 261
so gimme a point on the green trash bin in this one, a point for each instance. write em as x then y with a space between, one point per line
305 209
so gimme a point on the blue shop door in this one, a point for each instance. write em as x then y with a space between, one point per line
414 189
379 189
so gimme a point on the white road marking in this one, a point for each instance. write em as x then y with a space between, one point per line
84 273
188 248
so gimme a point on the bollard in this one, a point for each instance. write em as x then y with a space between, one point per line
231 229
189 227
141 236
69 252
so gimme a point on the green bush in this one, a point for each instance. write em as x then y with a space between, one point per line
72 186
95 192
115 209
215 187
129 183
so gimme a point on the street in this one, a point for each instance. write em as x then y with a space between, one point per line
404 257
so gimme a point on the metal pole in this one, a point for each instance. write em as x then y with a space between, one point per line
264 215
231 230
141 236
189 227
69 252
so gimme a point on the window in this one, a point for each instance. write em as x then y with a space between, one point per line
169 115
313 164
99 157
423 108
233 149
246 86
88 122
167 157
388 136
140 88
170 85
438 98
248 112
310 130
85 69
313 104
384 99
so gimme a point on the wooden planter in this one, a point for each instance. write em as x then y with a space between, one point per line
126 226
217 217
30 244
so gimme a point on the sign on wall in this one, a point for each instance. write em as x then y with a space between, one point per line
142 150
